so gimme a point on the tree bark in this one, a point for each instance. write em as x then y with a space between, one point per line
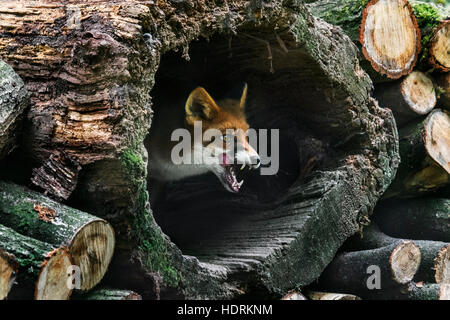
443 87
91 70
13 101
58 176
422 218
350 271
42 270
409 98
89 239
435 255
109 294
8 271
425 160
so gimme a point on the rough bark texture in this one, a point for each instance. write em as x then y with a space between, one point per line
89 68
89 239
350 272
13 101
443 84
58 176
424 152
408 98
435 255
425 219
42 273
109 294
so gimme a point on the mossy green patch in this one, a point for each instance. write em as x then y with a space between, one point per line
154 250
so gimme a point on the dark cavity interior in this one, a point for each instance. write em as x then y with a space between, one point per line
198 214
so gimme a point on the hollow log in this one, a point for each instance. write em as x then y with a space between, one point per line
414 291
422 218
95 72
351 271
440 47
443 88
42 272
90 239
435 255
108 294
316 295
425 157
408 98
8 271
13 101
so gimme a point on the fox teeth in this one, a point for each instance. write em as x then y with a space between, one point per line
243 166
240 183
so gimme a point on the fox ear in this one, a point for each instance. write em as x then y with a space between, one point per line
200 106
243 97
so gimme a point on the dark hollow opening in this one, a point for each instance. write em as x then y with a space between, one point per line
198 214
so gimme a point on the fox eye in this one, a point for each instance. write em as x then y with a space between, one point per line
227 138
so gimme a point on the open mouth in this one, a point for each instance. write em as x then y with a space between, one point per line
231 178
231 182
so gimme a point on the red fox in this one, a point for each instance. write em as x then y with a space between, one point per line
200 108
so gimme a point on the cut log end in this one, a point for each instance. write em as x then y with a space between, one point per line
442 266
418 92
8 271
440 47
331 296
92 250
294 296
53 278
444 293
404 262
437 138
390 37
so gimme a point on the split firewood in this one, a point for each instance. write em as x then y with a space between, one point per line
109 294
13 101
57 176
316 295
390 31
351 271
443 89
425 156
414 291
421 218
89 239
408 98
440 47
42 269
435 255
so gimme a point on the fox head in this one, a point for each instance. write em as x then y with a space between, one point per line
226 119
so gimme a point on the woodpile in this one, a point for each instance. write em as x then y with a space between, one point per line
361 104
406 43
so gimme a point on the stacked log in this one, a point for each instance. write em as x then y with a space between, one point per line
425 157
